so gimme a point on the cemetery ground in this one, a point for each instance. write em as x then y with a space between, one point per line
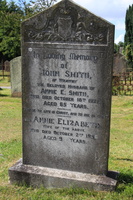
121 153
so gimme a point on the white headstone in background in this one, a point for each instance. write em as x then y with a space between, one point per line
16 77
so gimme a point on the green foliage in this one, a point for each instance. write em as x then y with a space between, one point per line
10 34
3 5
26 8
129 36
117 46
129 25
10 19
129 54
40 5
11 16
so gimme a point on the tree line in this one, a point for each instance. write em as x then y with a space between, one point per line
14 12
11 15
128 39
128 42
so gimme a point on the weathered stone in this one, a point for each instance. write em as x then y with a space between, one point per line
16 73
67 55
120 64
52 178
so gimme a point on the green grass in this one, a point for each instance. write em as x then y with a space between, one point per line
121 154
5 81
5 73
5 92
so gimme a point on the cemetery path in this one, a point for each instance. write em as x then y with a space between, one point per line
5 87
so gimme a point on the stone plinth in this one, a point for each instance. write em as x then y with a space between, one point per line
52 178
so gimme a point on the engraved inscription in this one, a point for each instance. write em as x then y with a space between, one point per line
66 97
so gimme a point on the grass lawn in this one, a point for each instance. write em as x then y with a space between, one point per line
121 154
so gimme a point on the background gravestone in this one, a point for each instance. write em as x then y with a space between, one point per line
67 55
7 66
120 64
16 74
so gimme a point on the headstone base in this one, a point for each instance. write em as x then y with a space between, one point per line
56 178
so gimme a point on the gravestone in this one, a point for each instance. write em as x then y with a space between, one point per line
120 64
67 55
16 74
7 66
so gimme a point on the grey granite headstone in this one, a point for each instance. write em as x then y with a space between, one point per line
16 74
67 55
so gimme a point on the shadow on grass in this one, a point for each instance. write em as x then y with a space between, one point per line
125 178
125 182
126 159
4 95
4 92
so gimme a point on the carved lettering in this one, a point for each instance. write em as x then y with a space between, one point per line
77 87
50 73
46 91
63 98
79 134
90 125
46 97
67 80
47 111
49 56
68 122
63 133
75 93
54 56
97 101
83 106
49 137
46 132
74 56
95 137
77 129
79 141
77 74
34 96
55 85
35 130
48 103
62 113
43 120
